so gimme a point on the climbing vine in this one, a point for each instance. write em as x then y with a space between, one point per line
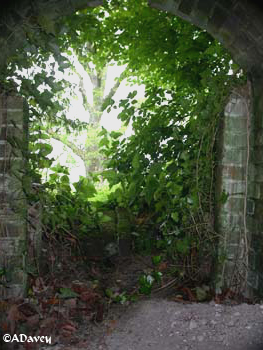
164 172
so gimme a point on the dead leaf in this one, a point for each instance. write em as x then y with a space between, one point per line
162 266
70 303
33 321
90 297
189 294
13 316
99 313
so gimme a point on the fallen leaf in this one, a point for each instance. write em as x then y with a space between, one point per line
13 316
162 266
33 321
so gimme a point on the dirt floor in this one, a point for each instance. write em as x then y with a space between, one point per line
97 305
164 325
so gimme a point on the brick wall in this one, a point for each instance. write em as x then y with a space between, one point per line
13 228
235 177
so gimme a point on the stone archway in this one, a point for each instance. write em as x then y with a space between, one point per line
238 25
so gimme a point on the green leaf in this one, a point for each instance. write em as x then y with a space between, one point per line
136 162
175 217
156 259
65 293
182 246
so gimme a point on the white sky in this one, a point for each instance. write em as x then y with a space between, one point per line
109 120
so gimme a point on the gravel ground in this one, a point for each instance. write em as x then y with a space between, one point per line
165 325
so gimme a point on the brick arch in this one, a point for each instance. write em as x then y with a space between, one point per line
237 24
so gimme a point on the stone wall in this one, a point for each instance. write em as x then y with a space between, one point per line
240 169
237 24
20 17
235 178
13 228
255 276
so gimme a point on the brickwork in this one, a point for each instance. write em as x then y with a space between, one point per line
13 226
234 163
19 17
237 24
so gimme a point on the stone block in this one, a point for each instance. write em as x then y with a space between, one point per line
13 228
234 237
237 141
186 6
258 213
219 16
252 259
254 190
7 132
228 30
15 117
259 173
250 207
14 102
11 262
240 12
234 172
236 108
205 7
253 279
238 125
14 291
11 165
233 156
251 171
232 251
5 149
230 222
252 224
234 187
259 138
12 246
243 42
258 156
234 204
225 4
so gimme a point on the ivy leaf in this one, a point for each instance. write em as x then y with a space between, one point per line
65 293
175 216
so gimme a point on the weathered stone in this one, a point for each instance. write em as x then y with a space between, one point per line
237 141
186 6
235 187
14 117
233 156
234 172
13 226
254 190
238 125
205 7
250 207
218 18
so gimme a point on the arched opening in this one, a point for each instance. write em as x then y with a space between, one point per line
237 25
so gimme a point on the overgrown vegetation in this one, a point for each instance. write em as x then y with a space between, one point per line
163 174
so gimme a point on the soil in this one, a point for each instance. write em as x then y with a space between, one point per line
91 320
165 325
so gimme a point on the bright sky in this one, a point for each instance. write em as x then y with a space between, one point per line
109 120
